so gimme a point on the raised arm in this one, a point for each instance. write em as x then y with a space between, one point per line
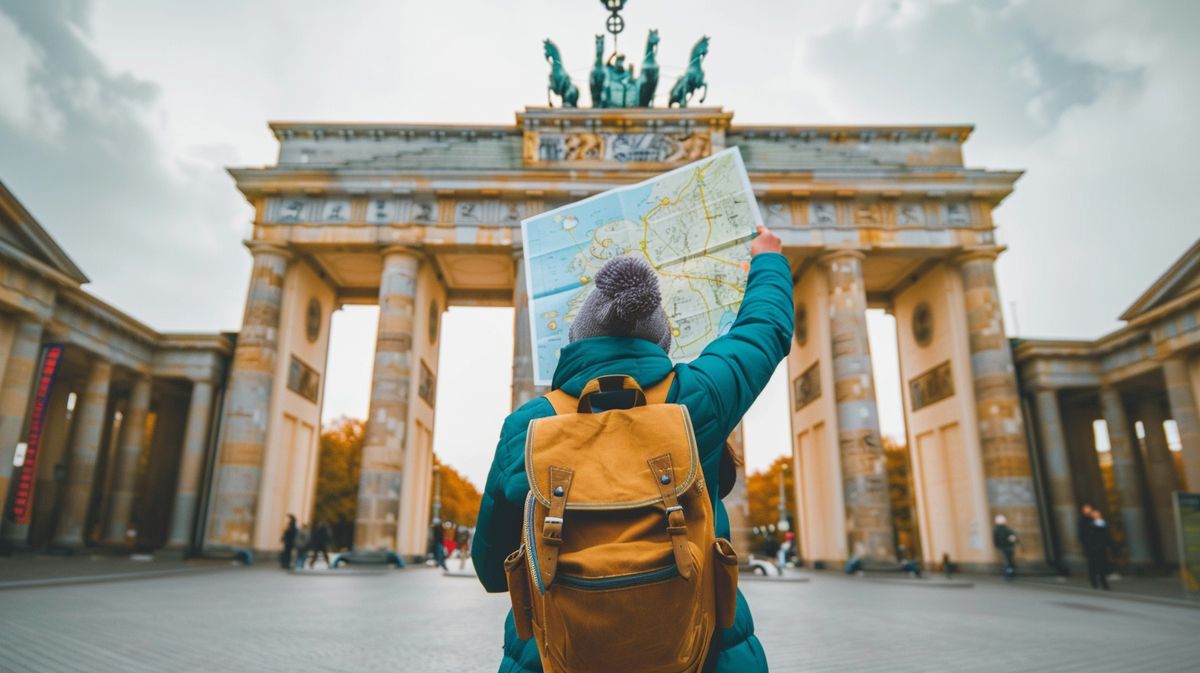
736 367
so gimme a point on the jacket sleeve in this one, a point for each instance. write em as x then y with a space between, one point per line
736 367
498 528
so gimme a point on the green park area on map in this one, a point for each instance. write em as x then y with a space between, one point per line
693 225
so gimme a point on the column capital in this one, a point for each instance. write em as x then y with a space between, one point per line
989 253
257 248
390 250
834 254
1040 388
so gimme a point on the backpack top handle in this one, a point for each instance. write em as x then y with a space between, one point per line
609 384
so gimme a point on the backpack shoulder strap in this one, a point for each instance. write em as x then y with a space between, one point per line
657 393
564 403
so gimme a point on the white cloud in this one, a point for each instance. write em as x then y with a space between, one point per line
24 104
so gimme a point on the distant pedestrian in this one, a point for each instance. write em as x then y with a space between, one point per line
439 546
854 565
320 544
289 543
343 533
302 539
785 550
1083 528
948 566
463 541
1005 540
1096 542
907 565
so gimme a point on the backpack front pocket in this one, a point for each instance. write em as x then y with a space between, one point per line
518 592
725 571
649 621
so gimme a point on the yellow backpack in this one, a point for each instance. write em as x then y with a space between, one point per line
619 568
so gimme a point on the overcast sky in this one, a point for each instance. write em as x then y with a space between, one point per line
119 117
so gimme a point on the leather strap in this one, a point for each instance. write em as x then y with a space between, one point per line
664 477
568 404
552 526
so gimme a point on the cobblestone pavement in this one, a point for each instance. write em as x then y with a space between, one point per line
414 621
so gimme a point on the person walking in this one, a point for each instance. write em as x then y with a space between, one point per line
302 539
1096 542
439 546
320 544
289 542
622 329
463 541
1005 540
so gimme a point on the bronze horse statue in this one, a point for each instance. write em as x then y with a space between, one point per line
693 79
648 79
599 78
560 81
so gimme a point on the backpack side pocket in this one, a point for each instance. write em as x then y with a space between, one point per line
725 572
518 592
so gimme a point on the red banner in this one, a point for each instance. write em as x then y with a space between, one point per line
22 508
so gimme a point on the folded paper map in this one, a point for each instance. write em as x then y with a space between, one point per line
693 225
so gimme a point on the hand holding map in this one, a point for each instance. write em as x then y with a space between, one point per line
693 225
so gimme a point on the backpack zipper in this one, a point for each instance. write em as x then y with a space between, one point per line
530 548
618 582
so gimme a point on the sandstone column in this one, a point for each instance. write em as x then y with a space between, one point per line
133 435
379 485
15 392
239 461
1160 474
523 388
1006 464
1183 410
864 473
191 465
1057 463
91 417
1125 476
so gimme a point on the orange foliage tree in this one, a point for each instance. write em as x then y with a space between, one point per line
337 470
762 492
460 498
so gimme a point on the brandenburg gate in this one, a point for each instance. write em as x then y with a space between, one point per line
418 217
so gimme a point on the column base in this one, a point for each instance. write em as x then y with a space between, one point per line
368 557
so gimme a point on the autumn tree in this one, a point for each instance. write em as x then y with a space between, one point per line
337 470
901 497
460 498
762 492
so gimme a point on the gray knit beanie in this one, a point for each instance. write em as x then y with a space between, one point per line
625 302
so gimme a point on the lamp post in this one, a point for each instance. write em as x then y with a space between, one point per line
437 495
783 517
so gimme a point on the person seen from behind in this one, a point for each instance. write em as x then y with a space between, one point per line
622 329
289 542
1097 541
1005 540
320 543
302 542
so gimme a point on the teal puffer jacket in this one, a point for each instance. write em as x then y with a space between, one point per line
717 388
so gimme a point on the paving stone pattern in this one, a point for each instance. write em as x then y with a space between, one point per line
416 621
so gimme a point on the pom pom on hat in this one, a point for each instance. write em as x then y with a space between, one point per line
631 285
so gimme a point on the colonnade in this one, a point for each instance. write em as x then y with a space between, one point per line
87 485
965 431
